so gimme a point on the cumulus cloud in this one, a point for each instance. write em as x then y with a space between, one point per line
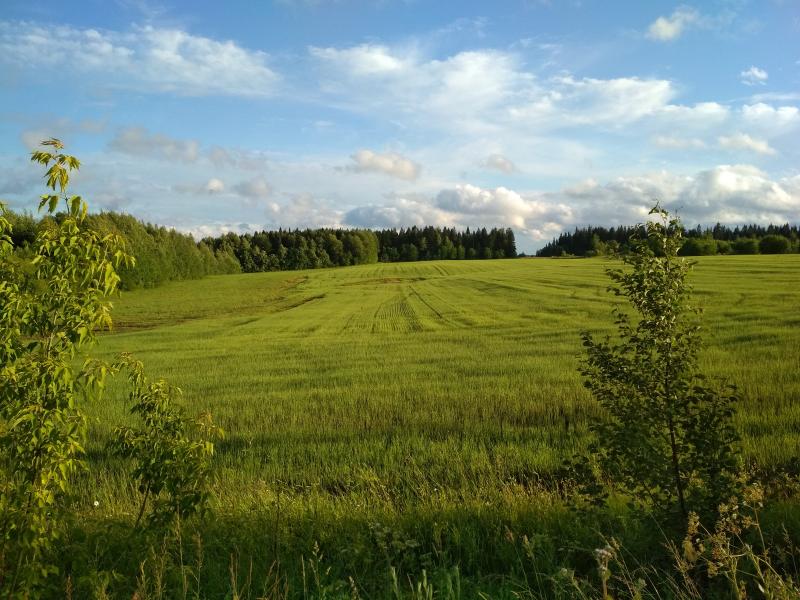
468 206
740 194
730 194
498 162
665 29
454 92
754 76
770 119
144 58
742 141
387 163
138 141
498 205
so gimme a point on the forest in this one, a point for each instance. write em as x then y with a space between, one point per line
161 254
699 241
164 254
287 250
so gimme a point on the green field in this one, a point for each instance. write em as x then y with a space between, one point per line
430 392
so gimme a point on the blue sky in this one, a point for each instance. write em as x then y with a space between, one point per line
532 114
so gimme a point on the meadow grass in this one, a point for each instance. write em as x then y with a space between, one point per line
433 399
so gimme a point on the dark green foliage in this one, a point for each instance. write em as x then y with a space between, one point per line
434 243
745 246
161 254
698 246
593 241
667 439
318 248
291 250
774 244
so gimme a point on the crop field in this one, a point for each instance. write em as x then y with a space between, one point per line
413 390
455 375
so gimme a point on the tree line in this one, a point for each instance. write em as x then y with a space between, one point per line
161 254
285 250
719 239
164 254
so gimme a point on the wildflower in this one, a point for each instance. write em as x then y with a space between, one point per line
603 555
96 503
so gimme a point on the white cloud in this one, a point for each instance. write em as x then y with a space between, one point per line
770 119
363 60
740 194
742 141
698 116
665 29
467 206
199 232
754 76
457 93
144 58
388 163
254 189
500 163
137 141
302 211
212 186
491 94
500 203
403 212
678 143
215 186
730 194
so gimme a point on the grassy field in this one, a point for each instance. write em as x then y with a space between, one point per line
438 396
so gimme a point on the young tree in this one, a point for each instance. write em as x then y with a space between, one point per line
667 438
48 316
50 313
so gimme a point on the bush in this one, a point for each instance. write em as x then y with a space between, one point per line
745 246
699 246
774 244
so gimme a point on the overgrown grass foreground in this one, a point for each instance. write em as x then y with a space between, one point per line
395 430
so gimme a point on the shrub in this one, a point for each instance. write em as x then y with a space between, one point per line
698 246
774 244
745 246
